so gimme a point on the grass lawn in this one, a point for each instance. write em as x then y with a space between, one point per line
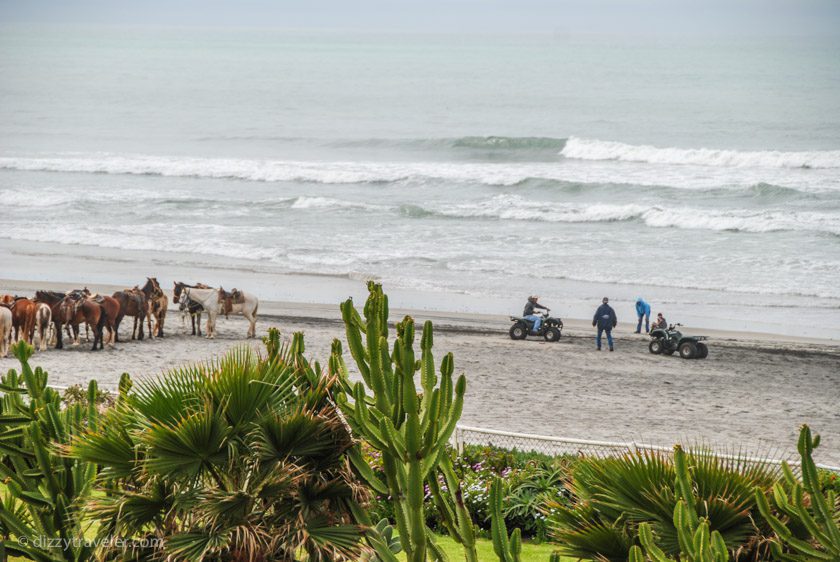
531 552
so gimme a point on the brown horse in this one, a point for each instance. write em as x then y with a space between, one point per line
21 308
53 299
112 308
132 302
77 307
157 304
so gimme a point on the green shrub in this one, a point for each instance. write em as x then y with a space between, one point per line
613 496
239 459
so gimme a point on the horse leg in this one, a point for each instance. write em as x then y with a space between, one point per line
251 322
142 317
211 325
43 328
59 343
161 316
117 322
149 316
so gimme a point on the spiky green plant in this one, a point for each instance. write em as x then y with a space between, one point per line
40 514
696 543
614 496
410 427
243 458
507 548
806 520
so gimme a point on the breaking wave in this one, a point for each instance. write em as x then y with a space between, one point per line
586 149
483 173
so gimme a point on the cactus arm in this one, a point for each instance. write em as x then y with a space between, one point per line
498 529
365 471
811 483
636 554
719 551
785 535
354 339
649 544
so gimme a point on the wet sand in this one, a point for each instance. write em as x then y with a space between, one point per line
752 392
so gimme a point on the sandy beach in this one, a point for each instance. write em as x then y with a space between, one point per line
752 392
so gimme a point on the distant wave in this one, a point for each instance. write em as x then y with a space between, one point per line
586 149
506 207
503 207
484 173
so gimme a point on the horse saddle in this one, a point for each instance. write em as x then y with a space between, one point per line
228 299
97 298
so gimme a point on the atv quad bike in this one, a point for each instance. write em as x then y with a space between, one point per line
670 341
550 329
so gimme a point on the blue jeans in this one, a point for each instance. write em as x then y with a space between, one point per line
647 323
537 320
609 337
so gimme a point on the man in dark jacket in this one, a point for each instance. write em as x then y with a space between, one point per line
605 320
530 308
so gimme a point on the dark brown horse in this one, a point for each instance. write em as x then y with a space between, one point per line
53 299
132 303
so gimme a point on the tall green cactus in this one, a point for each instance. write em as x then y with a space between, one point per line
507 548
806 507
40 511
410 429
697 544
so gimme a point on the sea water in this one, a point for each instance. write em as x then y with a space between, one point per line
702 174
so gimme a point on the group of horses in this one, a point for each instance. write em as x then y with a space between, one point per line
23 317
50 313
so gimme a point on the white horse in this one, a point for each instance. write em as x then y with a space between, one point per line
209 300
42 323
5 330
240 302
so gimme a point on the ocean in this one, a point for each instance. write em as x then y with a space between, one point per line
464 172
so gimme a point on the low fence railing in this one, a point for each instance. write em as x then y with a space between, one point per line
557 446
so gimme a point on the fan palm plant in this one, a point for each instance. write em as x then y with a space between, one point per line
238 459
614 496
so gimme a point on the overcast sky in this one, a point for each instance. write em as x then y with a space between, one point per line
729 17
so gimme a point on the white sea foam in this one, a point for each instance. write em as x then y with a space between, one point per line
585 171
590 149
513 207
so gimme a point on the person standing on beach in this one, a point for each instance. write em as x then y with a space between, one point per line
642 311
605 319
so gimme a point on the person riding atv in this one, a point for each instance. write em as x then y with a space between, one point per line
534 324
669 341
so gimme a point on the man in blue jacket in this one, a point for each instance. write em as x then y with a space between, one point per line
605 320
642 311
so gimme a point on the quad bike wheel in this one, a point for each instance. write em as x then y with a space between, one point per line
702 351
656 347
688 350
552 335
517 332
